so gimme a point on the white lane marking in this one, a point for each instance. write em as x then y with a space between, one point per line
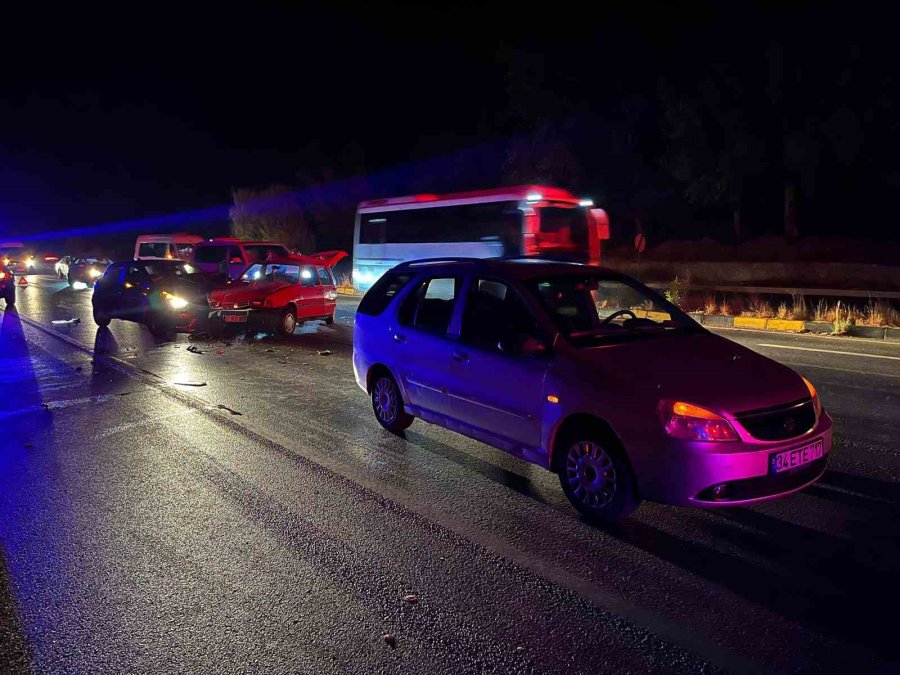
129 426
828 351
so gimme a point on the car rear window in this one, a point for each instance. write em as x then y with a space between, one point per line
153 249
382 293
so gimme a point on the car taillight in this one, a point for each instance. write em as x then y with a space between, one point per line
692 423
2 275
331 295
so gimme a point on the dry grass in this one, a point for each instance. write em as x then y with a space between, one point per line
709 305
841 314
799 309
783 312
759 308
345 282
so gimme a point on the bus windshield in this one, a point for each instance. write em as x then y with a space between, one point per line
563 229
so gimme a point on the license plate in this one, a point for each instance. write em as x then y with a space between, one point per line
792 459
235 317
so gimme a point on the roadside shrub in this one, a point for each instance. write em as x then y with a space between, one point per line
725 307
842 319
757 307
709 305
345 282
782 312
675 292
821 313
876 313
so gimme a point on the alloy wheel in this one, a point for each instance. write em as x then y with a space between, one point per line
590 474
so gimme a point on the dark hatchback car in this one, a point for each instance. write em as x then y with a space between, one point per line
167 296
83 272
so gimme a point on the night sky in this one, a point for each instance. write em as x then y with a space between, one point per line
164 109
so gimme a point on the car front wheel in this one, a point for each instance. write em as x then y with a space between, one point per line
387 403
596 478
101 318
288 322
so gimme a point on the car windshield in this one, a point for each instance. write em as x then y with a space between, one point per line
590 308
166 268
93 261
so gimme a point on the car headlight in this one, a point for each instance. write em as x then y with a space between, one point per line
95 274
817 404
692 423
30 261
174 301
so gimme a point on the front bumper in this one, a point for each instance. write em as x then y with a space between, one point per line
685 473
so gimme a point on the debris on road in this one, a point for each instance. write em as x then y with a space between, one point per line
194 350
270 350
324 352
65 322
191 384
411 598
231 410
390 640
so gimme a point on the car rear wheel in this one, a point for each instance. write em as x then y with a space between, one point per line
595 476
288 322
387 403
329 319
101 318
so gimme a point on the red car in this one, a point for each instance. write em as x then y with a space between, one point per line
279 293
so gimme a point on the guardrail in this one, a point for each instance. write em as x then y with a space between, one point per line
776 290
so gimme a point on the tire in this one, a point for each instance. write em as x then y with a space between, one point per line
101 318
329 319
387 404
595 475
287 323
156 325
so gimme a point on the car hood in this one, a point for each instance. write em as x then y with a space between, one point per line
245 292
700 368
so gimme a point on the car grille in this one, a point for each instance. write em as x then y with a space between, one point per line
781 422
215 304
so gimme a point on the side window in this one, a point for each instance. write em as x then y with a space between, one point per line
113 275
135 275
210 254
496 318
430 306
382 293
325 277
308 277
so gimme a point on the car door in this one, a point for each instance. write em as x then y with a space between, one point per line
108 290
497 371
311 303
135 289
423 343
329 292
236 262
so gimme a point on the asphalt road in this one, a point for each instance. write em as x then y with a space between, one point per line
233 505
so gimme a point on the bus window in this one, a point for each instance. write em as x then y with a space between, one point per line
563 229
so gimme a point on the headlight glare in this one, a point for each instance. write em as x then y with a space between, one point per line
174 301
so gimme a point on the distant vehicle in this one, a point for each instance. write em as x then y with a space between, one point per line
525 220
17 257
61 268
235 255
166 246
165 295
279 293
83 272
7 284
592 375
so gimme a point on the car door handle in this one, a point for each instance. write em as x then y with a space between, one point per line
460 357
399 338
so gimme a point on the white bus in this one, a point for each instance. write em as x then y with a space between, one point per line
514 221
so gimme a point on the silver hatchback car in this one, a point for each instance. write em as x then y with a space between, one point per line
592 375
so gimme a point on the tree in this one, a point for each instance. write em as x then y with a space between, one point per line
272 213
712 148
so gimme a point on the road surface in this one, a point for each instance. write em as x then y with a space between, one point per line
194 505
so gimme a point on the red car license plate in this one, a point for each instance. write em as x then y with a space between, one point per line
792 459
235 317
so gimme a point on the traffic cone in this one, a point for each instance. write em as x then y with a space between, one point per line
23 281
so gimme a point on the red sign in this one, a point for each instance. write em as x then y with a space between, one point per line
23 281
640 242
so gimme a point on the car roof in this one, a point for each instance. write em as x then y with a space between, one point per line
291 260
519 268
221 241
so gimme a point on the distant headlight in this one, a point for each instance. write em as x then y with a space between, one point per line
174 301
30 261
94 274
